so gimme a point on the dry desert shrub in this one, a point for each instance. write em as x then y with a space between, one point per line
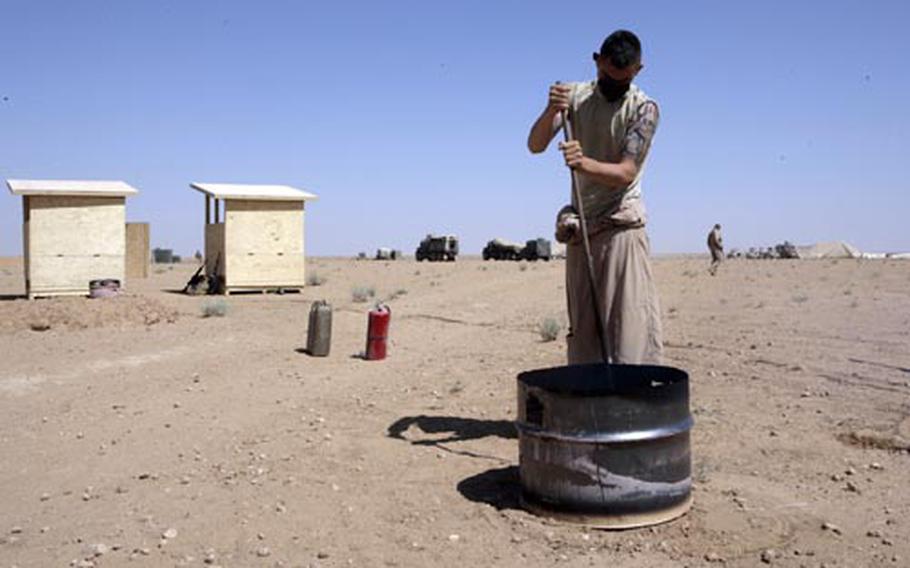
549 329
315 279
397 294
214 308
362 293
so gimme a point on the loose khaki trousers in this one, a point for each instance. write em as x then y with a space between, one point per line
626 296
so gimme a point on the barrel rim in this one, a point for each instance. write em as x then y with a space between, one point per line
591 380
607 521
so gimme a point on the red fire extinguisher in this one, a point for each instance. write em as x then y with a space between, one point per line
377 332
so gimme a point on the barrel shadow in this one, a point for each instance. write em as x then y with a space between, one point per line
500 488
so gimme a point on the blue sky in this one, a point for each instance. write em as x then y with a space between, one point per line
780 120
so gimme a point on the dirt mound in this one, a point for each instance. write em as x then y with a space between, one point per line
83 313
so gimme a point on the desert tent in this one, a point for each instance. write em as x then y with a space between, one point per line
834 249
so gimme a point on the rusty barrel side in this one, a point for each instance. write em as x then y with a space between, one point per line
605 446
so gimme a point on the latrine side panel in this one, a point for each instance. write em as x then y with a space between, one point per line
264 244
264 226
72 240
138 251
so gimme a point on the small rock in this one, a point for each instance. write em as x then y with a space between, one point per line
852 487
263 551
850 471
768 556
874 534
713 557
454 538
887 542
99 549
837 477
169 534
322 555
16 530
45 496
831 527
876 466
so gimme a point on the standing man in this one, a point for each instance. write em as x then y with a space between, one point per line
613 122
716 246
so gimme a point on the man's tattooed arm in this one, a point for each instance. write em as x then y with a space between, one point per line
641 132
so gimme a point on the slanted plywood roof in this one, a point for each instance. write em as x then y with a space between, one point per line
86 188
253 192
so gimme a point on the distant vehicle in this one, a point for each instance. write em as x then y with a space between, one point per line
385 253
438 247
501 249
786 250
536 249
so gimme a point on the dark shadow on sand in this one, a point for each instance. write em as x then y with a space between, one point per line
458 429
500 488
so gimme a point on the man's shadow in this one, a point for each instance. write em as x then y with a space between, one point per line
461 429
499 487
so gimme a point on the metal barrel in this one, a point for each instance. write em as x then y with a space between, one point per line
605 446
319 330
104 288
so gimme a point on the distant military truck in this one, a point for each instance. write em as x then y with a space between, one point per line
536 249
786 249
501 249
385 253
437 247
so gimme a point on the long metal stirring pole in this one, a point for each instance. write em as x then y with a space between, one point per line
568 135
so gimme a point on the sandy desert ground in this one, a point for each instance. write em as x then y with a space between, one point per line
134 432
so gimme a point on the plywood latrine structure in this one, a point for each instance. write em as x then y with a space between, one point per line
72 232
255 241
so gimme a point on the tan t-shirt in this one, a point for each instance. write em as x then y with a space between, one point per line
602 127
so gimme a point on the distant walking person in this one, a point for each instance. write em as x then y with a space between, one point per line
614 122
716 246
